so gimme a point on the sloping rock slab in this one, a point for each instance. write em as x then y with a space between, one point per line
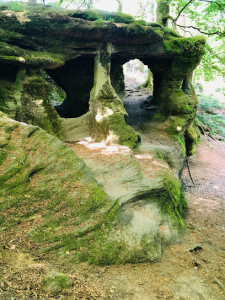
66 212
148 194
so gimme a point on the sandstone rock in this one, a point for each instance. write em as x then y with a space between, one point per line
71 46
44 180
111 205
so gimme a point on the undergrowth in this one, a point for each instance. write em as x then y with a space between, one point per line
211 114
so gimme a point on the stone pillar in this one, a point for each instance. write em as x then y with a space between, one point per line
174 94
117 77
107 110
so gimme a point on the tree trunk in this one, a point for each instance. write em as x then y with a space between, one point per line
162 12
90 4
120 5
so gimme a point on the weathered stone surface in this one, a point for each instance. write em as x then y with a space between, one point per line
130 206
75 129
44 180
34 38
108 114
25 96
148 194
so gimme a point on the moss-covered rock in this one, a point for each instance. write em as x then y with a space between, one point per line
107 111
55 282
44 180
25 96
117 77
192 138
37 37
93 15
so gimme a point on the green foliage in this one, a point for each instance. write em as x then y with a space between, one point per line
208 18
215 121
213 62
14 6
209 103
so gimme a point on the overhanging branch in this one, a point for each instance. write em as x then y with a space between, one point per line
201 31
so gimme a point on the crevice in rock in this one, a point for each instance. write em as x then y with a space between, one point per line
34 172
8 72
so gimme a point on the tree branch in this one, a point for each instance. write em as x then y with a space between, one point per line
203 32
214 67
182 9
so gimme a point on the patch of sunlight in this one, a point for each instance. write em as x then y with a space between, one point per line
105 147
111 138
100 115
143 156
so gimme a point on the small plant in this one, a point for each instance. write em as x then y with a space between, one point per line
55 282
209 103
207 115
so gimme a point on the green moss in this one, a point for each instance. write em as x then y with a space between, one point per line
64 195
136 28
169 32
192 138
76 218
190 46
3 156
172 201
115 125
54 126
55 282
36 108
18 56
93 15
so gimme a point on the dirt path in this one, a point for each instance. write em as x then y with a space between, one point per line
194 269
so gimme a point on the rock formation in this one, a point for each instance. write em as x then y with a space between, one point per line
82 53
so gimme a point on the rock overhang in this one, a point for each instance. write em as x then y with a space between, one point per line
38 38
35 30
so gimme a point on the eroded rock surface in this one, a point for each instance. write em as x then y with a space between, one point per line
128 215
75 49
119 206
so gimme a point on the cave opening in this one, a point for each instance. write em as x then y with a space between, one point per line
133 82
75 79
135 74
